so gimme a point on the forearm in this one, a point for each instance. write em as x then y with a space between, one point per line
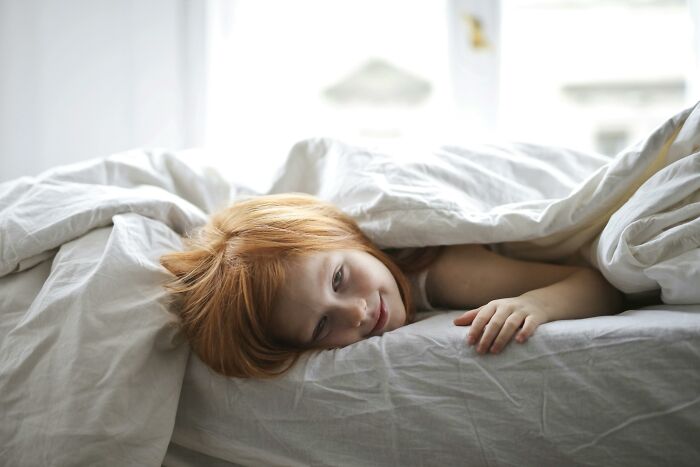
582 294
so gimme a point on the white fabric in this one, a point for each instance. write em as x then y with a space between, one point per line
91 362
620 390
91 366
533 198
616 390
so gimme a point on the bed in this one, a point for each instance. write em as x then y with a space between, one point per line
93 369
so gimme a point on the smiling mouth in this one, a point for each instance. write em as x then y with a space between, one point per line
381 320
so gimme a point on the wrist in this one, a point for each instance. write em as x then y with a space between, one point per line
540 305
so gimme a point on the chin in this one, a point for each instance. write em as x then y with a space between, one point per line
398 321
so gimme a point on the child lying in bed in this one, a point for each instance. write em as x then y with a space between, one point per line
271 277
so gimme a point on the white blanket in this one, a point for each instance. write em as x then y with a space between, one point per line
91 366
91 362
545 203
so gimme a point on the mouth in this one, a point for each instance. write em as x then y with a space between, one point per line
381 319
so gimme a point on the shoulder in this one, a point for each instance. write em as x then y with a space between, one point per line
455 274
459 256
472 275
414 259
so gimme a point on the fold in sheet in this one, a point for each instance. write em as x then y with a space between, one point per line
608 213
91 358
91 365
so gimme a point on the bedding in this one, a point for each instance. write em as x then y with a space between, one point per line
91 361
94 371
620 390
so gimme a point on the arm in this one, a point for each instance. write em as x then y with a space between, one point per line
509 296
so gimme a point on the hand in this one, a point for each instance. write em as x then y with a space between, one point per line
494 324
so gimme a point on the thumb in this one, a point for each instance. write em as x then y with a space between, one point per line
466 318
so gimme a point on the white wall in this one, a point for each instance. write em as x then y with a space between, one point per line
86 78
271 62
694 82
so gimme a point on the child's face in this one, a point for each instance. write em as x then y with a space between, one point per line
335 298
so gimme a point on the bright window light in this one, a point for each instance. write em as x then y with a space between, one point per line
593 75
588 74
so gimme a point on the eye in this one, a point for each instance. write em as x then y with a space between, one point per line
338 279
319 327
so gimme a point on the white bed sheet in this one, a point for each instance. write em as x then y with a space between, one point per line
91 367
617 390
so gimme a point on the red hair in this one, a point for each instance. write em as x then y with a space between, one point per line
227 278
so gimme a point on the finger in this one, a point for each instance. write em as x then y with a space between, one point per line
466 318
531 323
492 329
508 329
483 316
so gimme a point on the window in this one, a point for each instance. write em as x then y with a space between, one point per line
592 74
588 74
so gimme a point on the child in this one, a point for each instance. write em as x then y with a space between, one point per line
273 276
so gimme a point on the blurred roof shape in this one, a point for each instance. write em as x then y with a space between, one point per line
379 83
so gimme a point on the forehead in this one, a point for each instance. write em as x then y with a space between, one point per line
301 295
304 270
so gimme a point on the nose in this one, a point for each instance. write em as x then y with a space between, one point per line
354 312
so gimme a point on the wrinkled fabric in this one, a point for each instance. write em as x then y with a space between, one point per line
635 217
613 390
91 359
94 371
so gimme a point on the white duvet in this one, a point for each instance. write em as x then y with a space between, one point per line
93 370
547 203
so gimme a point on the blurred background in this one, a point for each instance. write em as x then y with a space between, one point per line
245 79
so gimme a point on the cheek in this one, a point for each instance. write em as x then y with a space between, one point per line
398 314
342 339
